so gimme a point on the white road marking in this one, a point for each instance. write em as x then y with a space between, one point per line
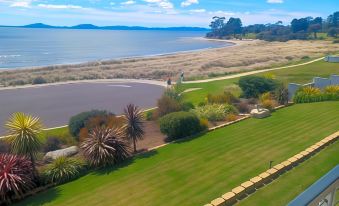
119 85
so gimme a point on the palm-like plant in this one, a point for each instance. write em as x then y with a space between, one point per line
134 127
23 136
105 146
15 176
62 169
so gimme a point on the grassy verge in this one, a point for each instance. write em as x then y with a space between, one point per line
196 171
60 133
300 74
294 182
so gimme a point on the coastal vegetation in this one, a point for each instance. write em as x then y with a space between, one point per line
303 28
243 56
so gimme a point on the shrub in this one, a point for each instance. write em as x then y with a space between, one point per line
167 105
243 107
265 96
39 80
180 124
149 115
62 170
105 146
225 98
215 112
310 94
253 86
187 106
174 92
16 176
78 121
203 124
281 95
51 144
231 117
269 104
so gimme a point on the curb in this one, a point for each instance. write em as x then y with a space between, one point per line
251 186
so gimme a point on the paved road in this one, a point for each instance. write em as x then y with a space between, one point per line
57 103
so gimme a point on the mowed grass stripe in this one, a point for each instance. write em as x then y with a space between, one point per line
196 171
288 186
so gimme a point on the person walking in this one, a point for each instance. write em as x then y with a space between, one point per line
169 82
182 76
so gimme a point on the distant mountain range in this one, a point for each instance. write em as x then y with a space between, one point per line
91 26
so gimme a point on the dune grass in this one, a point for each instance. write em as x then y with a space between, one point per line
291 184
195 171
300 74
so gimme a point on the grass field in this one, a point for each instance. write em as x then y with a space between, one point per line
194 172
294 182
300 74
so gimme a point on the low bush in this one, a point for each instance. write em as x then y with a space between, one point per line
310 94
51 144
281 95
149 115
231 117
180 124
253 86
39 80
167 105
187 106
215 112
78 121
225 98
62 170
243 107
269 104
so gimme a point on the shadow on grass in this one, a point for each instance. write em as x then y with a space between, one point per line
127 162
41 199
186 139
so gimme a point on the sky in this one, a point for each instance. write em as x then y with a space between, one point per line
158 13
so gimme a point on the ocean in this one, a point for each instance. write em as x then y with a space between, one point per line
25 47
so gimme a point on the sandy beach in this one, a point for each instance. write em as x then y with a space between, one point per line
243 56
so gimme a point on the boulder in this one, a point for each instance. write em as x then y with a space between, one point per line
67 152
261 113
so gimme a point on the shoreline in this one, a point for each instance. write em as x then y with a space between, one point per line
242 56
228 43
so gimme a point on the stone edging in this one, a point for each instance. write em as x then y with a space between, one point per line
250 186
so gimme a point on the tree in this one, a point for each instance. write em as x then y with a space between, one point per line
234 26
216 25
23 132
15 176
134 126
333 32
300 25
315 26
105 146
333 20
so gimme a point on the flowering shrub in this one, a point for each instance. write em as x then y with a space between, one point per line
215 112
310 94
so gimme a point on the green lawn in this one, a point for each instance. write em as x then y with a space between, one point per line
294 182
61 133
194 172
300 74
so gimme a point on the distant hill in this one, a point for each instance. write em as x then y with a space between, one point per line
93 27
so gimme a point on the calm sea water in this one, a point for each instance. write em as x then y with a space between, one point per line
21 47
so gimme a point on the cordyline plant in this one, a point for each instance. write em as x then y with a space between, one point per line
15 176
134 126
62 169
105 146
23 136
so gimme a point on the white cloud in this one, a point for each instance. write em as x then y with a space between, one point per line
59 6
164 4
130 2
189 3
275 1
198 10
23 4
112 3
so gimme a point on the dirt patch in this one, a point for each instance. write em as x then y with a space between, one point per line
153 137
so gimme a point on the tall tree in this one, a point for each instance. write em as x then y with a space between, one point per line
299 25
234 26
216 25
315 26
134 126
23 132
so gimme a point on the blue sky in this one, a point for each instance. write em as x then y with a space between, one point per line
158 13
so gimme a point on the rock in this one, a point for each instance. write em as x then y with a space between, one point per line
67 152
261 113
